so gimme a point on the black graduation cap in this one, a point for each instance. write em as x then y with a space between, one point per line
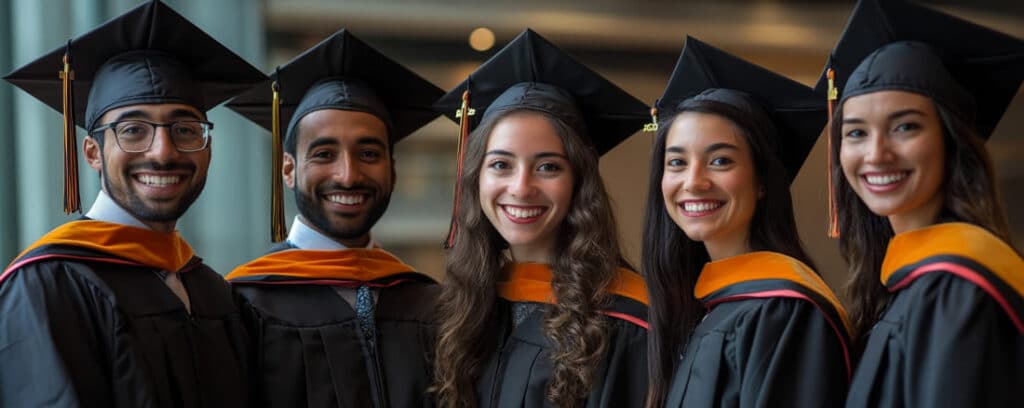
893 44
150 54
532 73
341 72
706 72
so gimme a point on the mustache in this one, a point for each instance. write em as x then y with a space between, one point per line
154 166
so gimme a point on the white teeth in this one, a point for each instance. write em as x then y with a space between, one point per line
701 206
523 213
158 181
345 199
885 179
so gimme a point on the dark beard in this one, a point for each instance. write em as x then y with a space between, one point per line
131 202
316 215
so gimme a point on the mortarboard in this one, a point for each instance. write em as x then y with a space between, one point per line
150 54
532 73
341 72
706 72
895 45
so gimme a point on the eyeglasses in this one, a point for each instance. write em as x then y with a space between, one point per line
136 136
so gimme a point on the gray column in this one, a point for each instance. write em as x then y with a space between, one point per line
230 223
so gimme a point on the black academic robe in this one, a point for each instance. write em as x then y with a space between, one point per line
953 335
309 351
769 339
517 374
83 328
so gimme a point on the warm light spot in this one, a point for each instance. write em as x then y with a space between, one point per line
481 39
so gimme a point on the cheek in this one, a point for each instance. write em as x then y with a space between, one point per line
669 186
848 161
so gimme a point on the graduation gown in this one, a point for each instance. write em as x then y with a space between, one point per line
774 335
308 348
87 320
953 335
517 374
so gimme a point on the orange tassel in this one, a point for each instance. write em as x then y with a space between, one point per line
833 209
278 232
72 201
463 114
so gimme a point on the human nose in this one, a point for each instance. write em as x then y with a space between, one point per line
521 184
878 149
696 179
162 146
346 170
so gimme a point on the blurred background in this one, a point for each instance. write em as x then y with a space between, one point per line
634 43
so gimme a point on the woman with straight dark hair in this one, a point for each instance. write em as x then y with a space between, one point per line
539 308
935 284
738 313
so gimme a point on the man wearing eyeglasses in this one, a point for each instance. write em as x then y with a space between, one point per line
114 309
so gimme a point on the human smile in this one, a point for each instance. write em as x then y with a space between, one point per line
523 214
700 208
881 182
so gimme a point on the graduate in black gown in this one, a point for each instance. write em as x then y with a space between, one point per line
739 316
114 309
936 286
539 307
336 320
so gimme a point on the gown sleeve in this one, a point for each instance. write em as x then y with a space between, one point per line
49 349
785 353
958 348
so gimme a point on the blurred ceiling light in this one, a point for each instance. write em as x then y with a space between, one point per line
481 39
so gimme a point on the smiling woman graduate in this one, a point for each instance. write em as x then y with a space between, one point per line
538 306
936 286
114 309
738 312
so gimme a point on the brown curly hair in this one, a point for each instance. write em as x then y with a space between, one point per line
589 241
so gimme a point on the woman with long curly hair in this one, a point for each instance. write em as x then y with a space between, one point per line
935 284
739 316
538 306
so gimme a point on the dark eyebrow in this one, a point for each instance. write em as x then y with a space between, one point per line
141 114
370 140
709 149
892 116
720 146
540 155
179 113
905 112
321 141
132 114
500 153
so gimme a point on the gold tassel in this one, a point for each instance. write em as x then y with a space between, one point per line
653 126
278 231
72 201
833 209
463 114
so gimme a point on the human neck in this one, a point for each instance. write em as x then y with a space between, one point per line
727 247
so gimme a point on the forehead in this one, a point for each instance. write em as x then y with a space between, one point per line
343 125
885 102
525 133
160 112
693 131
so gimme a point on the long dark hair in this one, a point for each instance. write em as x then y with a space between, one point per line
970 195
590 254
672 261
